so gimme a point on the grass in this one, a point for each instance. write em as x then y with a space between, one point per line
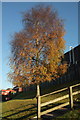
72 114
19 109
24 107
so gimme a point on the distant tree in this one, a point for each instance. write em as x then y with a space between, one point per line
37 49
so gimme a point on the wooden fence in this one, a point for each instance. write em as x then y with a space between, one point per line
69 102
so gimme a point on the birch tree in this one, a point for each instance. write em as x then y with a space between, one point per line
37 49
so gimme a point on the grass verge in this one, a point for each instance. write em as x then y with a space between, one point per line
24 107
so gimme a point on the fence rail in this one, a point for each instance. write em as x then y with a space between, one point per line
55 100
76 85
70 96
55 108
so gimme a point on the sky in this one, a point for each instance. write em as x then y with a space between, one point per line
0 44
78 22
12 22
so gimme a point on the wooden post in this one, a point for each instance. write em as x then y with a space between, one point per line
70 97
38 103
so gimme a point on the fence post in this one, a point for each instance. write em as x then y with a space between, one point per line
38 103
70 97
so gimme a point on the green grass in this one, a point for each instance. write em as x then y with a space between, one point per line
24 106
72 114
19 109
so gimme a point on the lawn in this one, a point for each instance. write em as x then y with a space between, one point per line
72 114
24 107
19 109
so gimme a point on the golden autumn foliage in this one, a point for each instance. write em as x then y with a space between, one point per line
37 49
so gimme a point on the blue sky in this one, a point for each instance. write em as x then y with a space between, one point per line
0 43
12 22
78 22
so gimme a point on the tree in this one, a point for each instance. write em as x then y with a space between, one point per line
37 49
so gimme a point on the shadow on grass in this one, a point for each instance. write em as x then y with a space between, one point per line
51 116
20 118
21 111
25 117
55 115
20 107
